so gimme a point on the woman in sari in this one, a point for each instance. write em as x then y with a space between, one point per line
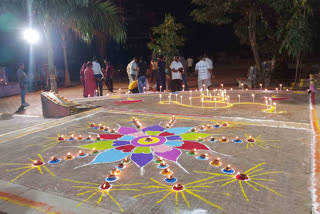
89 80
82 78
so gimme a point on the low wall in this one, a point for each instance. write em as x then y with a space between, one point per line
9 90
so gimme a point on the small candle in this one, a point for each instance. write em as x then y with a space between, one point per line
166 170
181 99
177 187
61 138
105 185
193 151
159 158
163 163
222 86
170 177
252 98
106 129
228 168
216 161
204 156
37 163
260 86
98 137
176 97
72 137
160 88
237 139
280 87
69 156
81 153
250 139
200 138
202 102
212 138
160 97
54 158
209 126
277 90
182 87
242 86
275 107
94 150
239 98
223 139
125 160
190 101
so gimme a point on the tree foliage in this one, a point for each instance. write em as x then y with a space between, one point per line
167 38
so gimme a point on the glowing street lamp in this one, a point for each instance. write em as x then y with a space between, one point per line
31 36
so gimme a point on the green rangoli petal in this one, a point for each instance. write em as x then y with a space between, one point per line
145 150
101 145
193 136
153 132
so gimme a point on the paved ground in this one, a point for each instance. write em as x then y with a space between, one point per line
281 155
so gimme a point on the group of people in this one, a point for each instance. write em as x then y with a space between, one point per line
92 76
179 69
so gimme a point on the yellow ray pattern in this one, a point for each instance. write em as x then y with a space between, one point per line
189 188
28 167
94 189
252 181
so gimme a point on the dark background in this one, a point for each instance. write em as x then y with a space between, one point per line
140 16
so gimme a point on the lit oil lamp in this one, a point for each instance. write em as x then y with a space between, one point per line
92 125
101 127
149 139
168 125
88 138
166 171
37 163
178 187
111 177
223 139
105 186
121 165
200 138
212 138
115 171
251 139
80 137
71 137
204 156
193 130
106 129
69 156
173 117
98 137
163 164
202 128
61 138
209 126
159 159
228 168
113 131
94 151
216 162
225 124
217 125
54 158
237 140
126 160
242 176
193 151
170 177
81 153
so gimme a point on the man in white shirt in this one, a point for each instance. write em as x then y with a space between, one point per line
204 72
176 74
190 64
209 61
132 70
98 75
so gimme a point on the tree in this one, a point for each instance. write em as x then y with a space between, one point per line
298 33
166 38
221 12
76 15
99 18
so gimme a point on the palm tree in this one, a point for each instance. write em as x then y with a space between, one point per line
99 18
79 16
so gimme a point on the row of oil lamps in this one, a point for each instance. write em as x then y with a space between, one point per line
250 139
80 137
102 128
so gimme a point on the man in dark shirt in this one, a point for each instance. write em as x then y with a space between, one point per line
161 77
108 75
22 78
142 74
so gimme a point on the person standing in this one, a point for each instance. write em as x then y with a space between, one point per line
132 70
154 67
204 73
176 74
209 61
98 75
190 64
108 74
22 79
161 77
82 78
184 74
89 79
142 74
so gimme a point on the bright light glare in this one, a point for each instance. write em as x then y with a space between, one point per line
31 36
